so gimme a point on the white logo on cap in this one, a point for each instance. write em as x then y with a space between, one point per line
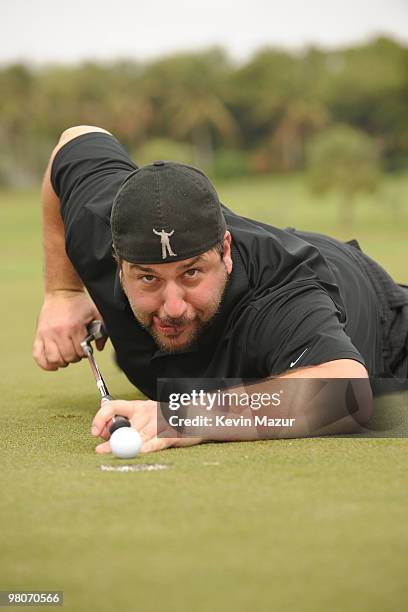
165 242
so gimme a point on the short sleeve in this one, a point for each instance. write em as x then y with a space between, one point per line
86 166
296 327
86 174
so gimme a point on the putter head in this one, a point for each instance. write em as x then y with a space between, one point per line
96 329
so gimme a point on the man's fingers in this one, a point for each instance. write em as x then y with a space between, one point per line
103 448
156 444
105 433
69 351
109 410
53 355
40 357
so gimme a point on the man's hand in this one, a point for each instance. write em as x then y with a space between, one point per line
61 328
144 416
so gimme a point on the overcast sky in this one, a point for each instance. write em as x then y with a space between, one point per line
54 31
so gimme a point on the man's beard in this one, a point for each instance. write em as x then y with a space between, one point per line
201 322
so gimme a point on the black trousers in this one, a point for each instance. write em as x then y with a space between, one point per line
393 305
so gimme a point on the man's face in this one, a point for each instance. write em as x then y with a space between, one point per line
174 301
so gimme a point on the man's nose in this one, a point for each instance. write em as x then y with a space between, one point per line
174 305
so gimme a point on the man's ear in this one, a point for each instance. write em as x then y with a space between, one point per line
121 277
227 258
122 280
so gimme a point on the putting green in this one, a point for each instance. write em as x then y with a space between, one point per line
315 524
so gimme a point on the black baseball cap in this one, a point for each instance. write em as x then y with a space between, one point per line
165 212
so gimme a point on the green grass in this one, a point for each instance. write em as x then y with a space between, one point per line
380 221
315 524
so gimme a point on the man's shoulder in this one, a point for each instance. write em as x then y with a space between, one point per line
87 170
75 131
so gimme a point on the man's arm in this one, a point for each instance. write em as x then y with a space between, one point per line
67 308
331 398
352 372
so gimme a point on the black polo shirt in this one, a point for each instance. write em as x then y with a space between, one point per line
294 299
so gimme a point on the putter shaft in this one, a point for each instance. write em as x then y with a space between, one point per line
100 383
96 331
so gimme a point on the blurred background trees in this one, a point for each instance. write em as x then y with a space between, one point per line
345 160
340 114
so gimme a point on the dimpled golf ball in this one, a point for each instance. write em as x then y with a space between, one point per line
125 443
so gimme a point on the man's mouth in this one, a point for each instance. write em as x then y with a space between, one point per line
167 328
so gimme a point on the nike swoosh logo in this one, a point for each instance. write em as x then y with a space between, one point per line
300 357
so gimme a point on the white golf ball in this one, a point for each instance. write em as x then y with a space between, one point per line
125 442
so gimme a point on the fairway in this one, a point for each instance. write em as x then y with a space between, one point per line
314 524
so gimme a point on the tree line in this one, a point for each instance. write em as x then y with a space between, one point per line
258 117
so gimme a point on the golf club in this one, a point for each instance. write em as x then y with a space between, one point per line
96 330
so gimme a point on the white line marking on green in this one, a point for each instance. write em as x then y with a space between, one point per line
137 467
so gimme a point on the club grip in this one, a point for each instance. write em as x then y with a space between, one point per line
118 422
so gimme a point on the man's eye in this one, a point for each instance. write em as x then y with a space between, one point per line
192 273
148 278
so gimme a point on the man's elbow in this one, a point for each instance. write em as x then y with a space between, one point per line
335 398
358 396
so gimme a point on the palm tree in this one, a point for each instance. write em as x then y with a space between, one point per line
191 89
301 120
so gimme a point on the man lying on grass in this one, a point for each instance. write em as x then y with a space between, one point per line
191 290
